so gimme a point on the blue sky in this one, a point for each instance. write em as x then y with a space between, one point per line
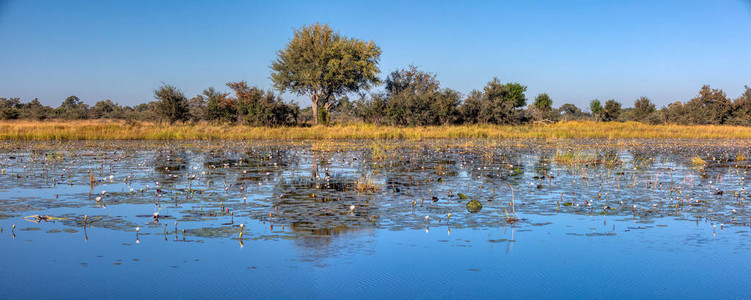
573 50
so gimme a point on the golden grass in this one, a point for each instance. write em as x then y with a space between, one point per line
574 157
698 161
367 183
106 130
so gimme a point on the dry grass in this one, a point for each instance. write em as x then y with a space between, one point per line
575 157
698 161
367 183
105 130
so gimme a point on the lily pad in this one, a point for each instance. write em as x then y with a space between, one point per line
474 206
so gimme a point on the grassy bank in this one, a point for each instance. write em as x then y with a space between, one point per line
102 130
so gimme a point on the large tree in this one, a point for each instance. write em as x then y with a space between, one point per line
595 106
741 114
542 108
611 111
219 106
105 109
171 103
643 107
257 107
10 108
711 106
415 98
35 110
497 103
322 64
73 108
569 111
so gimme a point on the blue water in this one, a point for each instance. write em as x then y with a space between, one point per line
568 253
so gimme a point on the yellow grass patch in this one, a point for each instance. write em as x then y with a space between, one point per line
104 130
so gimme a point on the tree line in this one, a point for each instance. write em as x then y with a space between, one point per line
328 68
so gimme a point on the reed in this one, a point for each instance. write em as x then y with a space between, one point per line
121 130
367 183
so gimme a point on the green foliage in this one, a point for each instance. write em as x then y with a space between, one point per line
643 109
344 111
596 108
142 112
72 108
741 114
414 98
411 81
323 117
543 102
171 104
496 104
197 108
219 106
674 113
106 109
262 108
542 109
323 65
569 112
445 107
611 111
372 110
35 110
10 109
514 92
711 106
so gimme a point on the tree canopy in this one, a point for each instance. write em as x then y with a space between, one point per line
595 106
611 111
171 103
322 64
497 103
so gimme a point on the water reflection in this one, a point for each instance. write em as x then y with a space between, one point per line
327 190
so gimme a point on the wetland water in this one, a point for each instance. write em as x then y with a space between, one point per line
344 219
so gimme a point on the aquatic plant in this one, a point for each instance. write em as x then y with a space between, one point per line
698 161
367 183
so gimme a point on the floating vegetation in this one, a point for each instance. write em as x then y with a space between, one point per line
6 216
45 218
474 206
323 188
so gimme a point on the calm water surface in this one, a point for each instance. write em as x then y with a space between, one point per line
561 219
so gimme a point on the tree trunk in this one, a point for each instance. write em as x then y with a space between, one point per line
314 104
315 112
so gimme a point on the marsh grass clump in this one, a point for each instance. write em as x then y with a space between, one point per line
698 161
367 183
575 157
381 150
585 157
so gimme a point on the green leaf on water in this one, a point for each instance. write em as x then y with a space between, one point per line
462 196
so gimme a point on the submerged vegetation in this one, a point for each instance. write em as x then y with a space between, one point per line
212 189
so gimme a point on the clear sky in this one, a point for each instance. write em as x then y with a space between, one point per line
573 50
